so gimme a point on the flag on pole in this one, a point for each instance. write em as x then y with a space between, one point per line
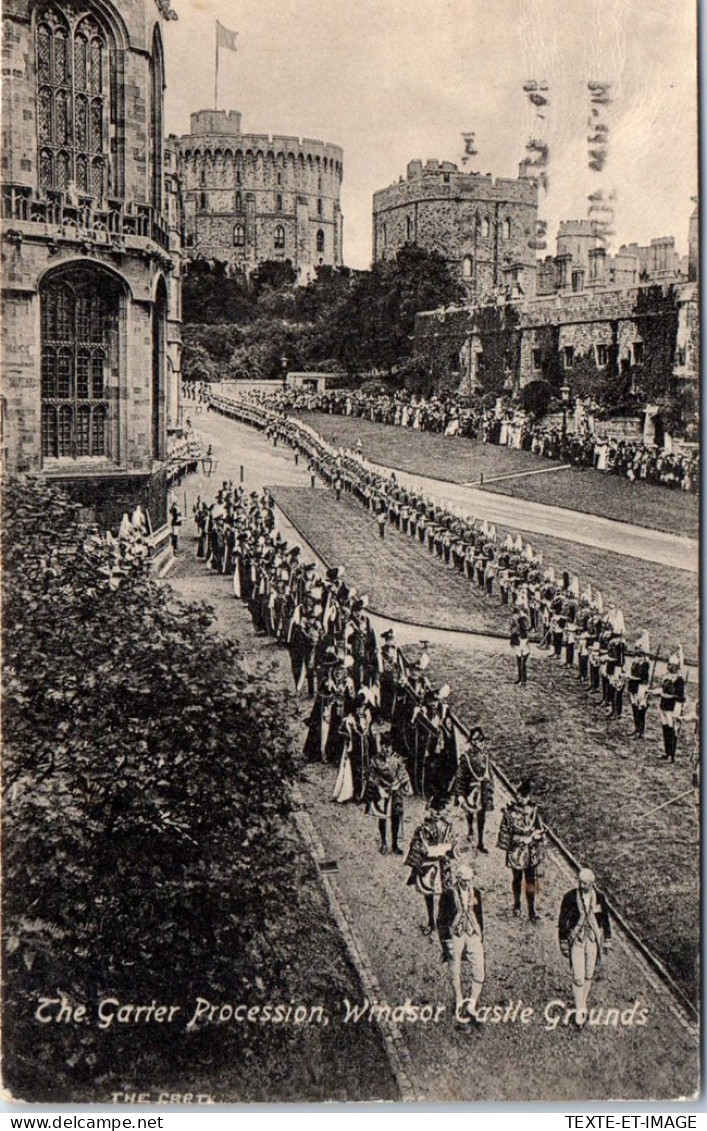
225 37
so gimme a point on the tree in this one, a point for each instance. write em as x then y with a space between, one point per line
535 397
375 323
276 274
210 295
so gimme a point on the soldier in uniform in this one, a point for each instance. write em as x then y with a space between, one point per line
584 934
594 663
671 704
432 849
388 674
520 646
386 788
473 786
638 680
583 644
522 837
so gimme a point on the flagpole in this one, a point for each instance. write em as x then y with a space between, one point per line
216 72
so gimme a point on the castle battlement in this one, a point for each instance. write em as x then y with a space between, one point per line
212 130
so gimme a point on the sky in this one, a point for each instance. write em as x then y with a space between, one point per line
395 80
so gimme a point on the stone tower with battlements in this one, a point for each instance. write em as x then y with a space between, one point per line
249 198
485 227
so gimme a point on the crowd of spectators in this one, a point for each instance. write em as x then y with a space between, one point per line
504 424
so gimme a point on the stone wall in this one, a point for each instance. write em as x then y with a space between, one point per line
599 326
122 235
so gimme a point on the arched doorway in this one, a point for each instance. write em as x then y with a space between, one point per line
159 351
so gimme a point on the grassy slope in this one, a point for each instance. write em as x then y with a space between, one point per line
404 580
460 460
593 492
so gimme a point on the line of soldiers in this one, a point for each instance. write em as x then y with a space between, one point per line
569 621
506 425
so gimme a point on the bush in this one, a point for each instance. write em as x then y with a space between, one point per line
145 792
536 397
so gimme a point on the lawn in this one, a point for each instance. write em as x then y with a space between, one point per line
611 496
405 581
459 460
593 787
401 577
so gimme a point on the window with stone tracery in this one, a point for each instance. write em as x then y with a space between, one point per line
79 313
74 59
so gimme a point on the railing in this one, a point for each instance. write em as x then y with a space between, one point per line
84 216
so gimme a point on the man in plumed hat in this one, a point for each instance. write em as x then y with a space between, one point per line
671 704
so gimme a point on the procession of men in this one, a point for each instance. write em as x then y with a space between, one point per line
388 735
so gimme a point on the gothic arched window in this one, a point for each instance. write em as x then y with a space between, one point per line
320 240
239 236
467 267
485 227
279 236
76 116
79 317
506 229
